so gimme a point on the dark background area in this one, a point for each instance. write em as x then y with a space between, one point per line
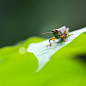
20 19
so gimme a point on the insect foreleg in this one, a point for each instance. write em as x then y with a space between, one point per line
50 40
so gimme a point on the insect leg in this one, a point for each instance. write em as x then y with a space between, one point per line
62 37
68 34
50 40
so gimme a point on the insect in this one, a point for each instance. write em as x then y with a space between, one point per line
59 33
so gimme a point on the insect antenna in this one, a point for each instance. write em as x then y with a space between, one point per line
47 32
55 27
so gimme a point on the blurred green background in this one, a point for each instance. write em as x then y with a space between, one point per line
20 19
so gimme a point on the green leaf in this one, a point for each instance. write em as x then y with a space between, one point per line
17 66
44 53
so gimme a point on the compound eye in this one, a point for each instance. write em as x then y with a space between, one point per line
53 31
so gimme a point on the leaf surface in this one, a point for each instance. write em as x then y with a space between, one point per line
44 53
63 69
